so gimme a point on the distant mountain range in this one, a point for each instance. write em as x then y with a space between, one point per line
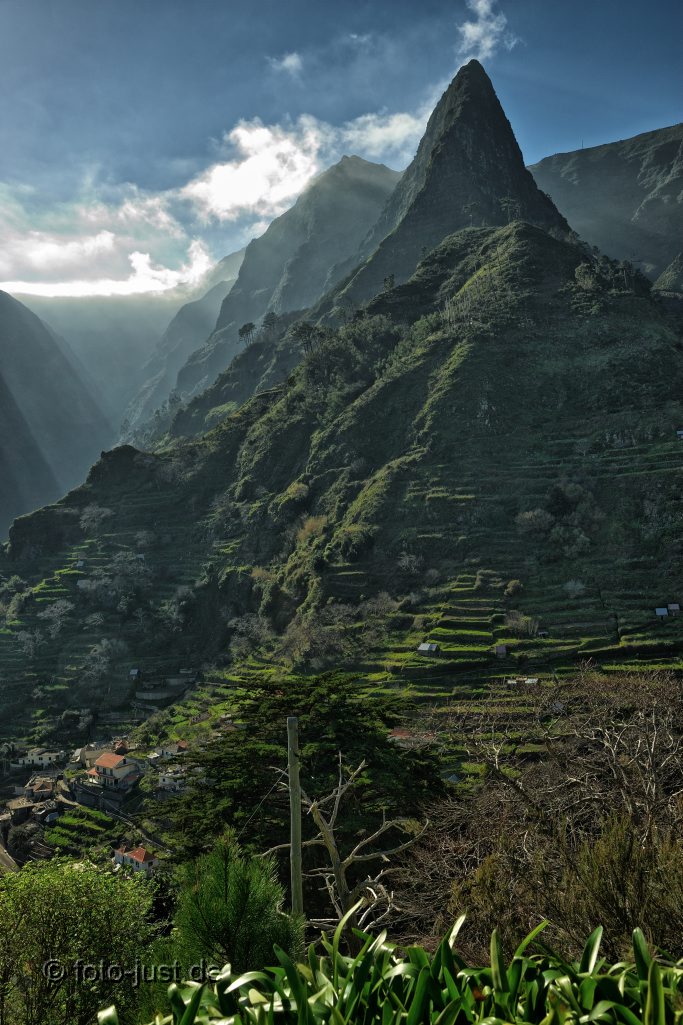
625 197
51 427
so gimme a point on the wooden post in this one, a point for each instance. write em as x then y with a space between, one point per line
295 815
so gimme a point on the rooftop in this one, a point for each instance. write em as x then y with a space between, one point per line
109 760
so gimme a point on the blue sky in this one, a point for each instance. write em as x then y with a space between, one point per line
139 141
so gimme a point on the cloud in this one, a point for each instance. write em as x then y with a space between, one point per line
481 37
385 136
133 241
128 245
145 277
272 164
290 63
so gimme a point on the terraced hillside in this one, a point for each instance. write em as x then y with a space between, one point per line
488 457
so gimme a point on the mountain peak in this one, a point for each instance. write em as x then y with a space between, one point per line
468 172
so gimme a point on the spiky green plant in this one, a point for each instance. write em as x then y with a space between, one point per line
379 986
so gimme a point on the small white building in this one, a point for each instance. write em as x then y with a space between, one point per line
173 749
37 758
137 859
428 648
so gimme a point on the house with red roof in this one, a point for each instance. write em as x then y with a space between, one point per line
137 859
115 772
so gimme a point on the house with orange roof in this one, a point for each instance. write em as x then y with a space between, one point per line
137 859
115 772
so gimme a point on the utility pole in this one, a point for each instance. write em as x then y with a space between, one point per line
295 815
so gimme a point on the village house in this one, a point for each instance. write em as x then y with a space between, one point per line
137 859
37 758
428 648
20 809
173 749
172 778
39 788
115 772
87 756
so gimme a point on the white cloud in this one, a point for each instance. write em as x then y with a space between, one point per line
137 242
129 245
272 165
291 63
481 37
385 136
145 277
42 252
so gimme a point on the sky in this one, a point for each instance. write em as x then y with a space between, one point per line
142 141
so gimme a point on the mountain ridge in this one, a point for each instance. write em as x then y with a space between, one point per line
624 197
288 266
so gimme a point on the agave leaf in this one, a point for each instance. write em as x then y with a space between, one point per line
190 1015
531 937
590 951
420 1001
655 1005
641 953
176 1001
498 971
449 1013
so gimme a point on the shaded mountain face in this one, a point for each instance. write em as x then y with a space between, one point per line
27 480
671 280
625 197
507 414
116 340
292 264
468 170
52 429
188 329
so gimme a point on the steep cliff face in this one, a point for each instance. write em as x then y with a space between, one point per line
292 264
188 329
671 280
625 197
27 480
468 171
53 430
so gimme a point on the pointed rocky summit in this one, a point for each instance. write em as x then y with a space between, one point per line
468 171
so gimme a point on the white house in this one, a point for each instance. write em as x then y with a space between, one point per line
173 749
37 758
114 772
137 859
